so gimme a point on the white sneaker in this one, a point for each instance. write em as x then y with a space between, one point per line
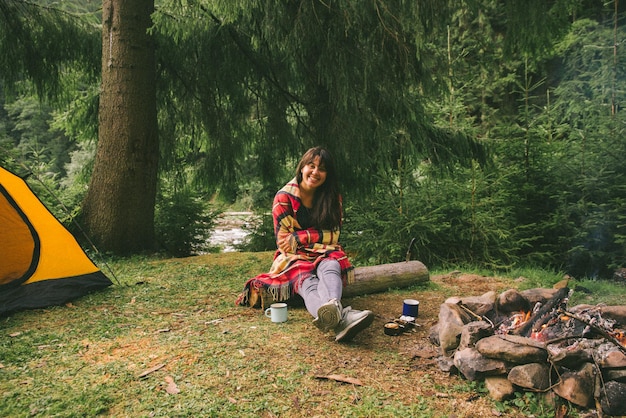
328 315
352 322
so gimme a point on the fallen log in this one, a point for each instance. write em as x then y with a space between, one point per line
367 280
382 277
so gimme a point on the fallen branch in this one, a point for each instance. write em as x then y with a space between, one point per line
475 315
341 378
151 370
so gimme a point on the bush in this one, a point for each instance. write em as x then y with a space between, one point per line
261 235
183 224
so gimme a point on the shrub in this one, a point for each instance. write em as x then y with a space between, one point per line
183 224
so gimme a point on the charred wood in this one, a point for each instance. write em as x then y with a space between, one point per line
599 330
545 313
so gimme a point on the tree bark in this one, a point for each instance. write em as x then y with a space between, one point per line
380 278
118 211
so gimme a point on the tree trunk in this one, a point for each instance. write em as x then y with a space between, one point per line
119 207
380 278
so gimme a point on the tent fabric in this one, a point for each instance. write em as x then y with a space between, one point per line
41 263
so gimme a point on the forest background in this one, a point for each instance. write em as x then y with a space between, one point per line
479 132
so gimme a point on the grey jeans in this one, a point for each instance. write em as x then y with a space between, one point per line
323 286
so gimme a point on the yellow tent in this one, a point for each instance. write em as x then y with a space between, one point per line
41 263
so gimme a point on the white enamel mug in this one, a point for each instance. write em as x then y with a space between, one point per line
277 312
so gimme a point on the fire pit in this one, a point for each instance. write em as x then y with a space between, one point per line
531 340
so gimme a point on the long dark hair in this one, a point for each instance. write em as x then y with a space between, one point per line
326 211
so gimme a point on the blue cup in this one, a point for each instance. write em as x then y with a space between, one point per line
410 308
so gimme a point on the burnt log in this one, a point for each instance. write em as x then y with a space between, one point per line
544 314
382 277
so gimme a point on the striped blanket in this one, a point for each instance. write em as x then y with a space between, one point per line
311 246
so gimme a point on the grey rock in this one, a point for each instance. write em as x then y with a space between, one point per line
475 366
534 376
517 350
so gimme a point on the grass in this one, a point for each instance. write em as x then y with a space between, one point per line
168 341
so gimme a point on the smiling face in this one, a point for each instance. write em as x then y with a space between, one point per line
316 177
317 181
313 175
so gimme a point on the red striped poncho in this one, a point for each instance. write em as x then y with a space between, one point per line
313 245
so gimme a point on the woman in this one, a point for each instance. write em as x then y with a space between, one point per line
309 261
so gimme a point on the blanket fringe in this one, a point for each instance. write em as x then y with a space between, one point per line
280 293
256 294
350 276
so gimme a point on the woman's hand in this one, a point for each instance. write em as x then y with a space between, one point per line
287 244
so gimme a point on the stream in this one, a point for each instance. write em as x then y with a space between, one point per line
229 230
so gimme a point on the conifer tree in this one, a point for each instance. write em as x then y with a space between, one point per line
118 211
